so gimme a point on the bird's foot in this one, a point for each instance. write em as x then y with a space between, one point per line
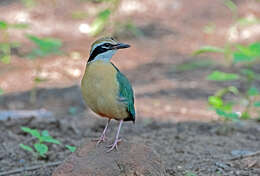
114 145
99 140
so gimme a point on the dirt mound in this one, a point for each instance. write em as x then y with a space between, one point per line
132 159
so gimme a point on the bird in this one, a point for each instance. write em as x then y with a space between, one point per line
105 89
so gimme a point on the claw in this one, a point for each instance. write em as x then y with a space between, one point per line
113 146
117 140
99 140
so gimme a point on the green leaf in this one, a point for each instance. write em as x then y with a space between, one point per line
33 132
5 59
255 47
42 149
36 52
99 23
231 115
257 104
3 25
220 112
209 49
231 5
19 26
45 46
5 48
104 15
50 139
1 91
247 53
247 21
71 148
241 57
222 76
45 133
215 101
245 115
190 174
5 53
253 91
26 147
227 107
29 3
47 138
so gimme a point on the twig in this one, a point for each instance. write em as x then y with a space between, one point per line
245 156
31 168
16 114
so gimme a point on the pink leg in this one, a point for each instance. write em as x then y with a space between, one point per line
103 135
117 140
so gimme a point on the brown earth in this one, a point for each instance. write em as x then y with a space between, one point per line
202 148
133 159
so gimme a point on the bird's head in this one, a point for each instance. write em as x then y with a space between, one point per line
105 48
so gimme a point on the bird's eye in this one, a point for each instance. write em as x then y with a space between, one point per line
106 44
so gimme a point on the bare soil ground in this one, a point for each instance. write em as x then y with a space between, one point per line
202 148
173 117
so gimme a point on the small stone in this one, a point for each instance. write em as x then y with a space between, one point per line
132 159
221 165
240 152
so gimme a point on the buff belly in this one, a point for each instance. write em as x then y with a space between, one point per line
99 88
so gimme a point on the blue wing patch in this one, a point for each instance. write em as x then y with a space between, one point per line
126 94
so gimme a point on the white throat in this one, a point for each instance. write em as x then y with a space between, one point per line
106 56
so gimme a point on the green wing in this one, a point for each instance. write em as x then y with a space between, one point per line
126 94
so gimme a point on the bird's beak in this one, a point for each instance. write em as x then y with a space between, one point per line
121 46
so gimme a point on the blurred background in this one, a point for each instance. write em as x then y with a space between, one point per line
188 61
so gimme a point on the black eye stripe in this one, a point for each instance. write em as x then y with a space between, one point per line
98 50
